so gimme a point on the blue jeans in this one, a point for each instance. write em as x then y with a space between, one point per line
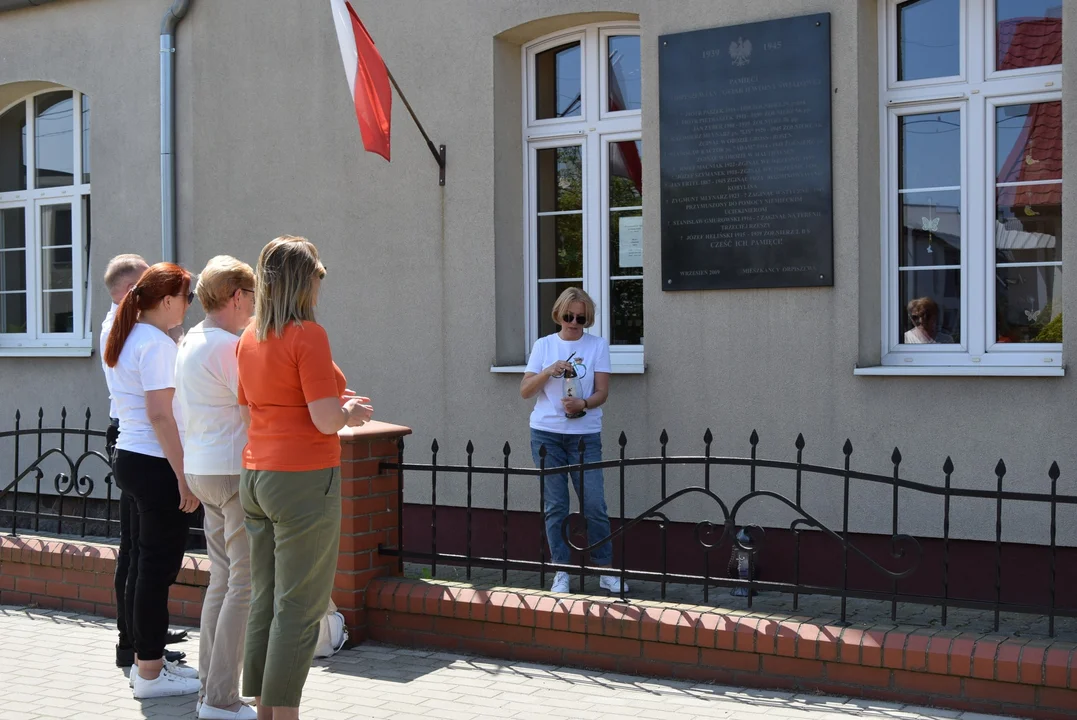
563 450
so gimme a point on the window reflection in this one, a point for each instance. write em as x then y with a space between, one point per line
1028 305
54 136
929 39
1028 33
85 139
929 150
625 88
557 82
13 149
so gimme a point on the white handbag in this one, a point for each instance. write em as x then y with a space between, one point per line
332 634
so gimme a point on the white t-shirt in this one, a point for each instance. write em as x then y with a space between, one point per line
592 355
147 362
106 328
207 382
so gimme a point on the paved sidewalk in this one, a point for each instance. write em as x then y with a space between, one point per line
59 665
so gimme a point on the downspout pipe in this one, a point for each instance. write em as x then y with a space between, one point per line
169 23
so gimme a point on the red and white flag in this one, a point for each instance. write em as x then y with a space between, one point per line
368 79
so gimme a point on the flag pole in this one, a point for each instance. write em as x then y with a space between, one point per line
439 151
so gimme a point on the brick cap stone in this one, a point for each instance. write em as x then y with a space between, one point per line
374 430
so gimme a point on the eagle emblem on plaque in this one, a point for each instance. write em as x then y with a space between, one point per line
741 51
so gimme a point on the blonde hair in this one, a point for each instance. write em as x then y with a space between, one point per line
220 279
284 284
122 267
569 296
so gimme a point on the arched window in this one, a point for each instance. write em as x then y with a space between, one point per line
584 180
45 224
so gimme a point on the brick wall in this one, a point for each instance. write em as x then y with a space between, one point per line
983 673
79 576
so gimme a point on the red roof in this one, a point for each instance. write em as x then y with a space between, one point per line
1037 154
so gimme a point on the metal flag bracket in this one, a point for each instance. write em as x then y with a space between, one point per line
438 151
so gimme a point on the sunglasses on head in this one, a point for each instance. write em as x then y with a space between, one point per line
580 319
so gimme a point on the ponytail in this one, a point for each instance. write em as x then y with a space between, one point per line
157 283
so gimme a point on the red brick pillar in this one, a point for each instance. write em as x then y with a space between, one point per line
370 515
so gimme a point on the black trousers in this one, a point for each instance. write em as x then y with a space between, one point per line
159 532
126 570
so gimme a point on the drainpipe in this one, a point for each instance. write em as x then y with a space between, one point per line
168 128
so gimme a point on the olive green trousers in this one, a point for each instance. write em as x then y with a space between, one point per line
293 525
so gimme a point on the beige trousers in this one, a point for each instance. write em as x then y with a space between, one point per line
227 603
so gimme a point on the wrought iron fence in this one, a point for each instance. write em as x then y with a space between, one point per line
68 504
894 575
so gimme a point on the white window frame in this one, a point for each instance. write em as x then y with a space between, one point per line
593 130
35 342
976 93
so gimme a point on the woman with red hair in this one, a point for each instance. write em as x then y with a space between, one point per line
141 365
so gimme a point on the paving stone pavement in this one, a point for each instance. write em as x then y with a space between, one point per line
60 665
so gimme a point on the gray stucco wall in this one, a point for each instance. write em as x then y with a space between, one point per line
268 145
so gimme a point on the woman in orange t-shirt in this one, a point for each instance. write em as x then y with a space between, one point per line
294 399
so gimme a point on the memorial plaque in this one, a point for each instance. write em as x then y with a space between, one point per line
744 123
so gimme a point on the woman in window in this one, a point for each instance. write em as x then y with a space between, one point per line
924 318
141 360
563 417
295 401
207 383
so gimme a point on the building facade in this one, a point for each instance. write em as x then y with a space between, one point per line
950 172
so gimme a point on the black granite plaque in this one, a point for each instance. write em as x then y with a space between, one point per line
744 121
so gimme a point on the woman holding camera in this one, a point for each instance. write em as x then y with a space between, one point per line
561 422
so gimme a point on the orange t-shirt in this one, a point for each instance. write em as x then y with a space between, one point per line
277 378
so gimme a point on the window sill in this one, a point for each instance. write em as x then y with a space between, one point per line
959 371
46 351
634 369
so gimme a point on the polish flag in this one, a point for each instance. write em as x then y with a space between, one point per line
368 78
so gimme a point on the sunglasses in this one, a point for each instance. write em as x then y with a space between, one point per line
580 319
246 290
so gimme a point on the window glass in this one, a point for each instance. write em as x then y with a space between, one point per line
557 82
1028 33
928 39
55 140
624 89
13 149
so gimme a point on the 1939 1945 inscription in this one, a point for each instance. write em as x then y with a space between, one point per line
745 123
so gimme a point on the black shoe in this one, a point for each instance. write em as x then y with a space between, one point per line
125 657
175 637
174 655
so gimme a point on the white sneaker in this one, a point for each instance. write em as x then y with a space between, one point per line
560 583
611 583
164 685
185 671
245 712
